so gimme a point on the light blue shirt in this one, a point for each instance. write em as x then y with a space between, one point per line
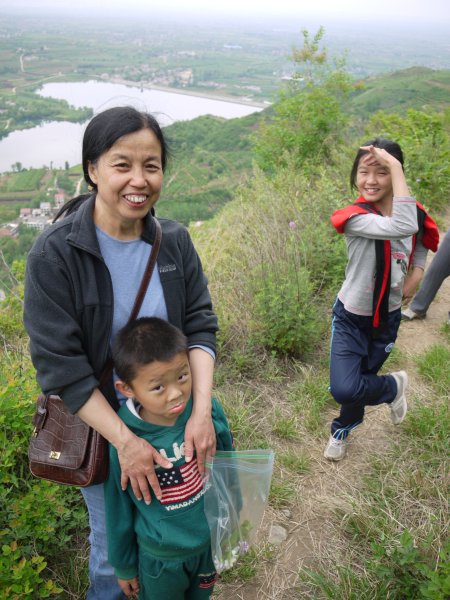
126 261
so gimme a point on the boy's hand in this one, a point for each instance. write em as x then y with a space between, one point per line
129 587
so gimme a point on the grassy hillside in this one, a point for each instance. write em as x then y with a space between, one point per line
211 156
417 87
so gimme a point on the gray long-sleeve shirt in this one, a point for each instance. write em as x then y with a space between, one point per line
361 230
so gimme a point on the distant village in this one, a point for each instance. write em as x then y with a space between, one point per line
37 218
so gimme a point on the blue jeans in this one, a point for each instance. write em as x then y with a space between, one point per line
356 356
103 582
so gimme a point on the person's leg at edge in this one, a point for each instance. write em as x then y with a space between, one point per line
103 582
435 274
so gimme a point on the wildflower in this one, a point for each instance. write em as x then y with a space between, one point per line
292 225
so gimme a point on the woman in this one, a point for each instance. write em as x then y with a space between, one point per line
82 277
380 229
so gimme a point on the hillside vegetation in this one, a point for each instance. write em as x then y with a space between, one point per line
274 267
210 158
417 87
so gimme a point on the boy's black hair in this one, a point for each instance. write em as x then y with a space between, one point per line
144 341
392 147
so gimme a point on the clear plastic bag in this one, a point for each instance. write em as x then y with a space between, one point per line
236 494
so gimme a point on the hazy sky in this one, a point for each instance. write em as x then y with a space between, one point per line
362 10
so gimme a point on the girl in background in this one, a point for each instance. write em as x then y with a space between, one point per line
382 245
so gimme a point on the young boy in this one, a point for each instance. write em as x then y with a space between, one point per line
162 550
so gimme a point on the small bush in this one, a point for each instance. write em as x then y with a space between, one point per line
287 319
38 518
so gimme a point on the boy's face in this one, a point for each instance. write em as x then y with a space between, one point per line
162 388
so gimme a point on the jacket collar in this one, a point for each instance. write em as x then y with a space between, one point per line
84 236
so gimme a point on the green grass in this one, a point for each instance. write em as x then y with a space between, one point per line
310 397
248 566
434 367
285 427
282 492
294 461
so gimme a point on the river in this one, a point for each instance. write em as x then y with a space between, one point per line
55 143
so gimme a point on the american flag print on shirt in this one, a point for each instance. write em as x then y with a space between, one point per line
179 483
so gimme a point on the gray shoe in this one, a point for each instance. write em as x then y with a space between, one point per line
335 449
399 406
409 315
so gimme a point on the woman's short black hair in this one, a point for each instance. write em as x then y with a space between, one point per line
146 340
392 147
107 127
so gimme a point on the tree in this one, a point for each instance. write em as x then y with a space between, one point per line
309 119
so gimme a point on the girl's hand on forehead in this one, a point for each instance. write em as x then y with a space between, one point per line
378 156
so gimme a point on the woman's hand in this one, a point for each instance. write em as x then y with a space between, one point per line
199 435
137 458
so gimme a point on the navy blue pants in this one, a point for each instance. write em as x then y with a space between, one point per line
356 356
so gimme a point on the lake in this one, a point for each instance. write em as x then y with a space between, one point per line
52 144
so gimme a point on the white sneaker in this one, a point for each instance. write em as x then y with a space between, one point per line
399 405
409 315
335 449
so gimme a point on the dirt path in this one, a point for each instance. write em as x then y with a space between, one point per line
325 493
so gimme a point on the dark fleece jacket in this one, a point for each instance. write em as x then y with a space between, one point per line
68 306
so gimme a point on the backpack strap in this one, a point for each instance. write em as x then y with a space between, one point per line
380 302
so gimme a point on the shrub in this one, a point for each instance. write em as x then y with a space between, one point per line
38 518
287 319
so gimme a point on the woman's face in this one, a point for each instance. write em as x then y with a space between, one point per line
373 180
129 178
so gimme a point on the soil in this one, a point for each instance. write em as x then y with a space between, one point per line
328 489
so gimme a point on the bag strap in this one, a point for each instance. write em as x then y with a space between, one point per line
147 273
107 369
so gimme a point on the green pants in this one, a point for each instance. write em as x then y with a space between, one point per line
190 579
